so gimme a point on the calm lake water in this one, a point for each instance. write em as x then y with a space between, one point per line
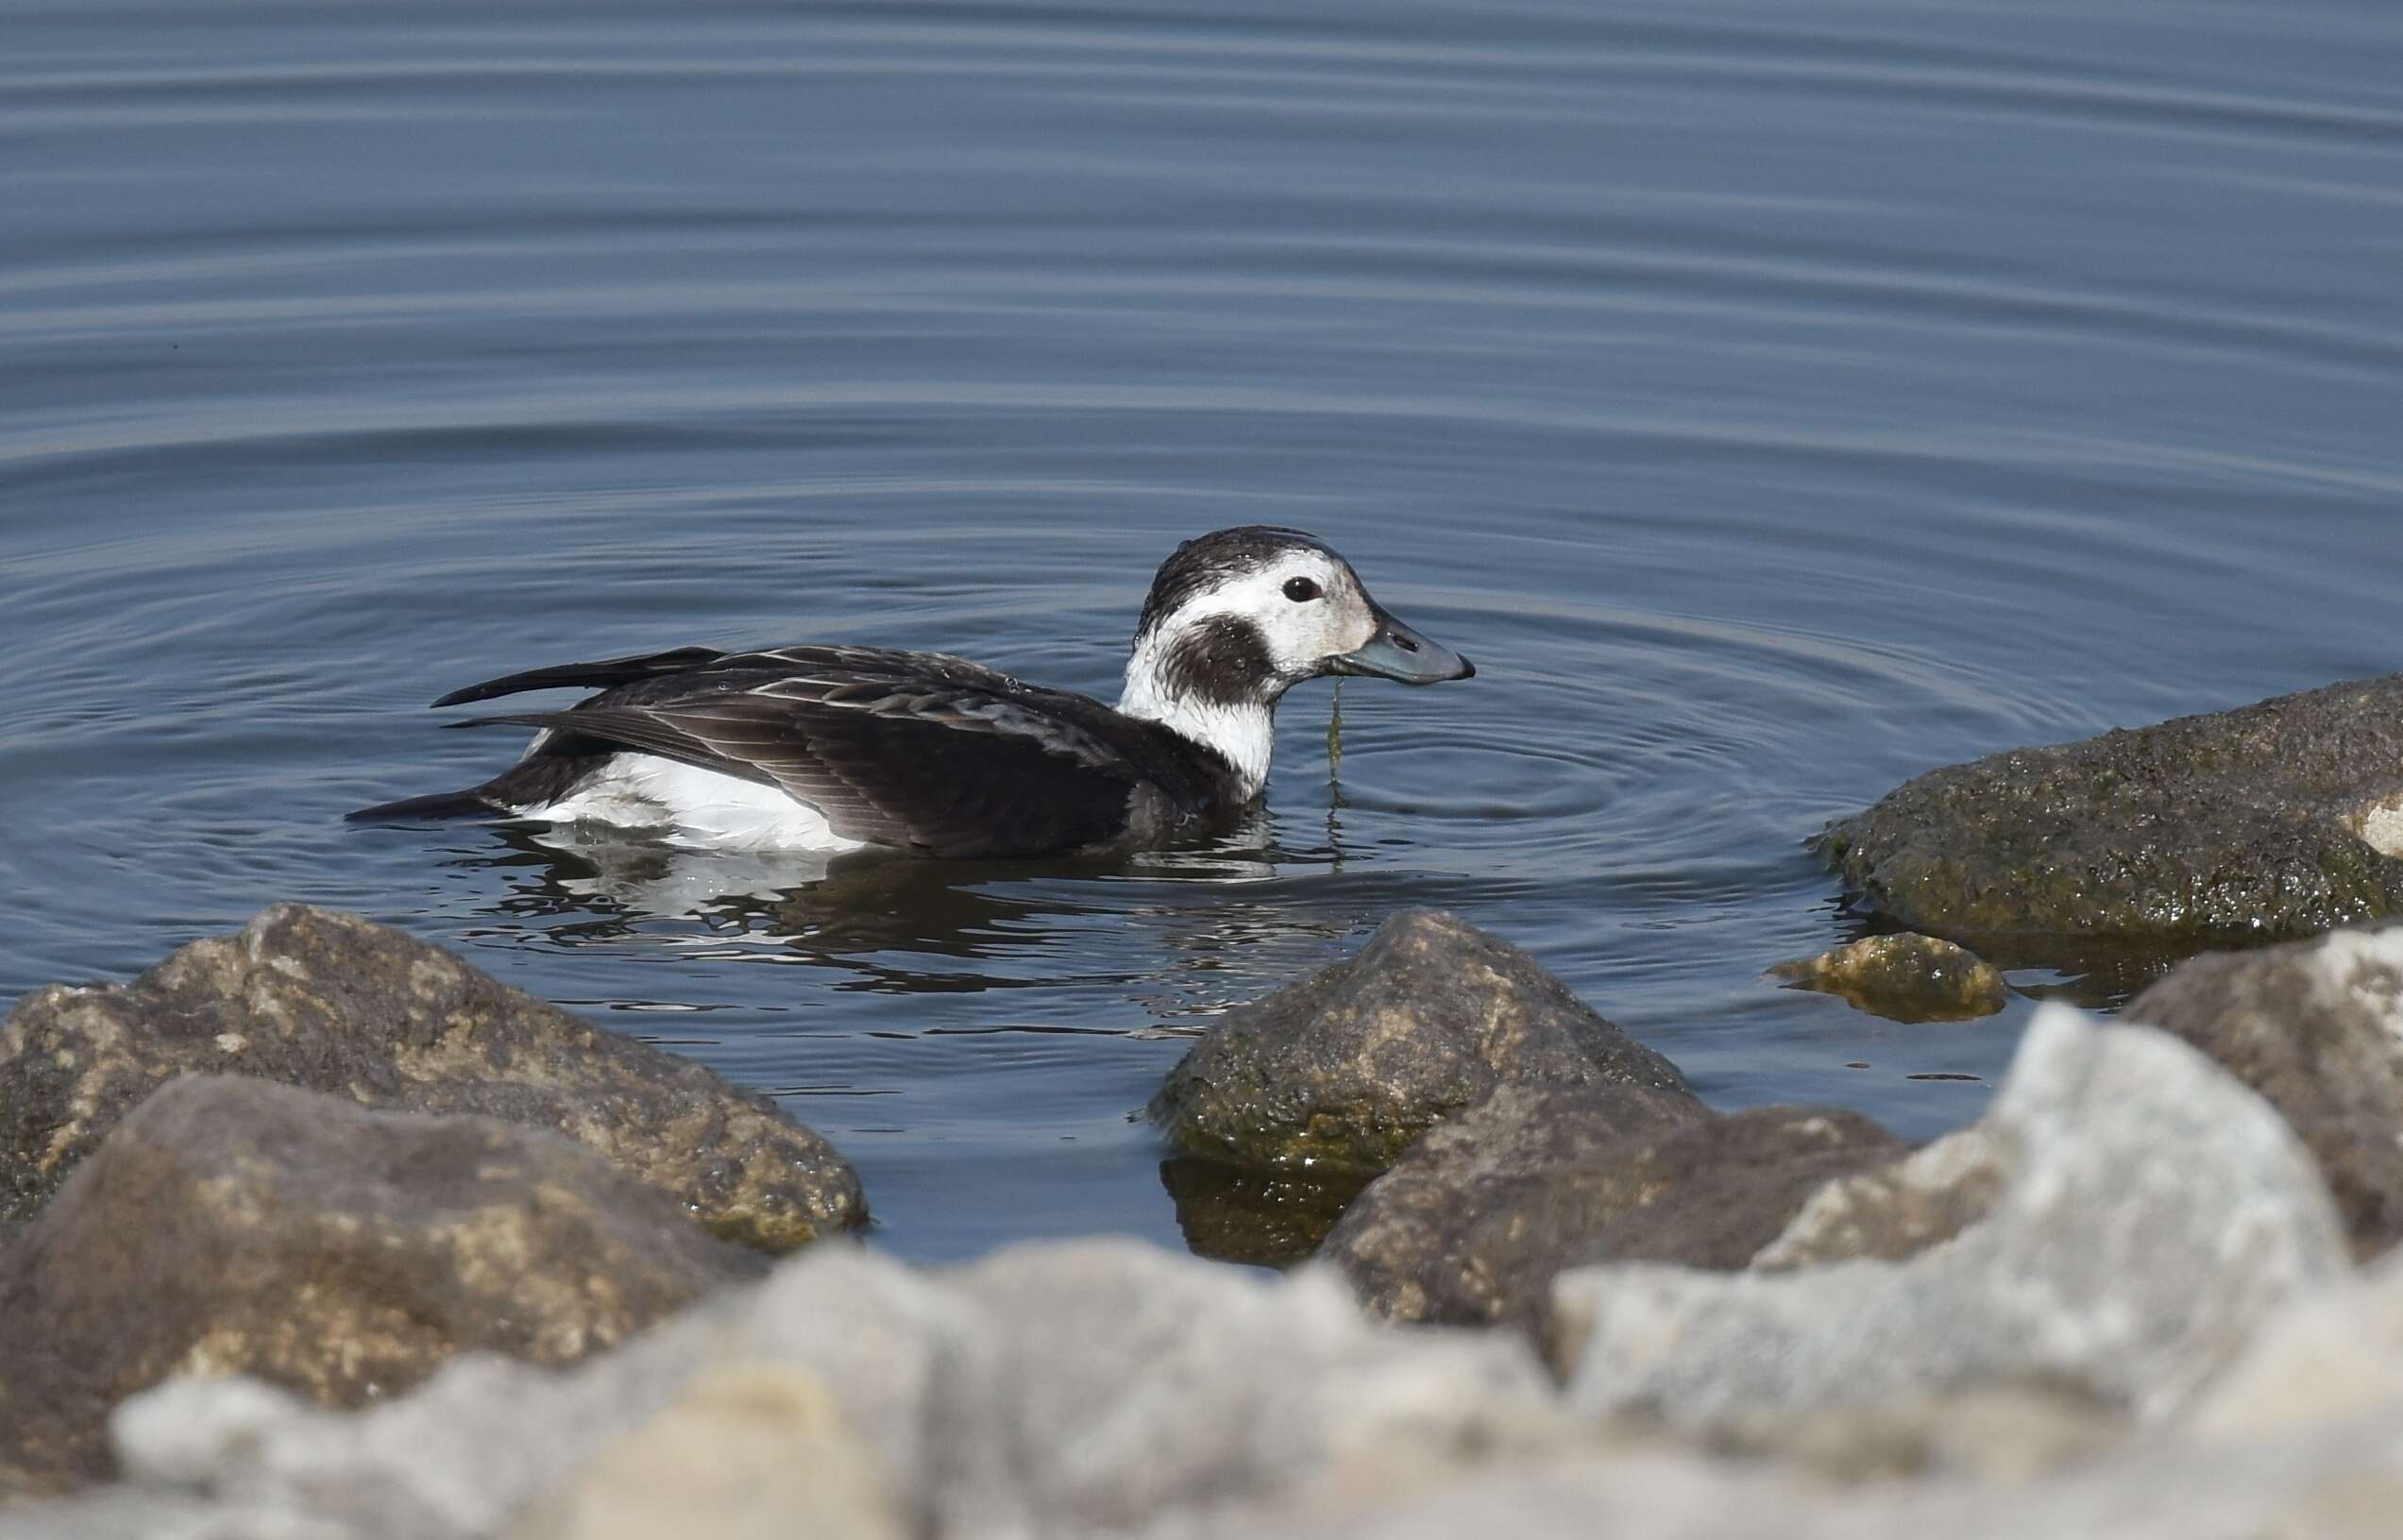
1774 400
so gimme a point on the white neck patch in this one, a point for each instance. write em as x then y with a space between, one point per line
1244 734
1298 629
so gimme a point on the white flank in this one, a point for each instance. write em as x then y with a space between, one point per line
695 806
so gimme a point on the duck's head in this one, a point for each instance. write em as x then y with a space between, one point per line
1238 618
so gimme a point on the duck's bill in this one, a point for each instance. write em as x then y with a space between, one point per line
1397 651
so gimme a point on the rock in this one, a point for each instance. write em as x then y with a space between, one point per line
1344 1070
748 1453
2276 820
329 1002
2335 1358
1065 1388
1896 1211
2317 1028
2150 1213
1904 978
229 1225
1120 1381
2341 1484
1472 1224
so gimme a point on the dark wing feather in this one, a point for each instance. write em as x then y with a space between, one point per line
601 675
897 749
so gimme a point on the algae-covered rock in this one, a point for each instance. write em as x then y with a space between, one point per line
332 1003
1904 978
2317 1028
1346 1068
1470 1226
2276 820
2147 1214
229 1225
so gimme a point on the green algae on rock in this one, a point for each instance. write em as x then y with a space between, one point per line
1345 1069
2275 820
1904 978
329 1002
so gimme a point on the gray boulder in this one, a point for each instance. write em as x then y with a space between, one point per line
229 1225
1057 1390
2340 1483
1898 1210
2148 1214
747 1452
2279 820
1345 1069
1903 978
329 1002
2317 1028
1471 1226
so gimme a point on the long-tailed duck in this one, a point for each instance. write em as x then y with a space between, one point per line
833 748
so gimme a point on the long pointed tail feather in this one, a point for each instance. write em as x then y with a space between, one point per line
467 804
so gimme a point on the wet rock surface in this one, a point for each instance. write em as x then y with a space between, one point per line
1344 1070
2278 819
1904 978
1472 1225
2139 1213
332 1003
1267 1216
2317 1028
229 1225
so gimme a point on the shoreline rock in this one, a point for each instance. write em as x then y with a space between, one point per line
2134 1213
332 1003
1472 1225
231 1225
2274 821
1345 1069
2316 1027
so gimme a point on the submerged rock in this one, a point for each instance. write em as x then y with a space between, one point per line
229 1225
1346 1068
1903 978
1268 1216
329 1002
2279 820
1471 1226
2136 1214
2317 1028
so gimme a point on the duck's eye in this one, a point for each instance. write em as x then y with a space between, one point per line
1301 590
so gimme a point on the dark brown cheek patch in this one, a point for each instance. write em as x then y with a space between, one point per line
1222 661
